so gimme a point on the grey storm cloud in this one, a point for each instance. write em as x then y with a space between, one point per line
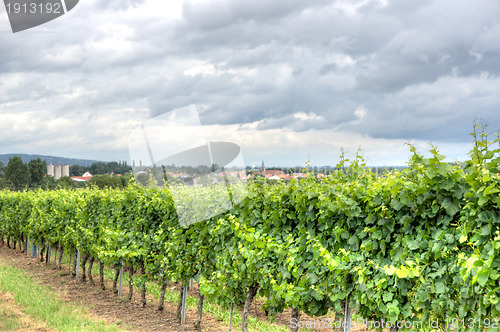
385 69
221 14
118 4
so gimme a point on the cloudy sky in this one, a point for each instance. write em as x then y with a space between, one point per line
289 81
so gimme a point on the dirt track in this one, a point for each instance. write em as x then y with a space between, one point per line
104 304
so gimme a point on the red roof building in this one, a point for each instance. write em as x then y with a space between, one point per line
84 178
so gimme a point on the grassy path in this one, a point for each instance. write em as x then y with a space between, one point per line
26 305
42 298
12 317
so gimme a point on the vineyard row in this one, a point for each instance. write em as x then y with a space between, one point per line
416 245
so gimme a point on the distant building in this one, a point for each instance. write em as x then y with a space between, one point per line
274 173
58 171
65 170
50 170
242 175
87 176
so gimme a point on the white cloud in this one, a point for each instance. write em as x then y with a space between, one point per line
292 78
360 113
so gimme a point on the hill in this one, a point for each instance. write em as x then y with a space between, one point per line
49 159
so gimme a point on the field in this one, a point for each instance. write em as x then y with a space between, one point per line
417 245
113 313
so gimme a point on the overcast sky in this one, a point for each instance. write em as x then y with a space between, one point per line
288 80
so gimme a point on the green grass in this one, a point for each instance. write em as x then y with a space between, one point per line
40 303
9 321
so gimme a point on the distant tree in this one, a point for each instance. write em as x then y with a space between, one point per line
100 181
105 181
142 179
38 170
126 178
122 168
5 184
18 173
76 170
112 166
65 182
98 168
2 166
49 183
117 182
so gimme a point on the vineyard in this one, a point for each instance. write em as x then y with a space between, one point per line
421 244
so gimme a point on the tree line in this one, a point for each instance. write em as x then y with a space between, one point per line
18 175
101 168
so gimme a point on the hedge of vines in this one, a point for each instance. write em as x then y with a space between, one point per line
414 245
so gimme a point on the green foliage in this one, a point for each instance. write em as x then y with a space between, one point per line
65 182
76 170
48 183
38 170
106 181
417 244
100 168
107 168
5 184
18 173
